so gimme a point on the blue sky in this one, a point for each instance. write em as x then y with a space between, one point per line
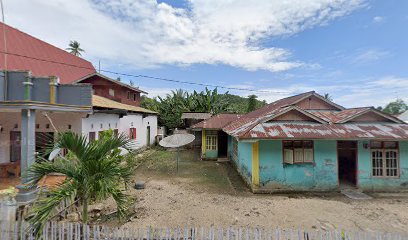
355 50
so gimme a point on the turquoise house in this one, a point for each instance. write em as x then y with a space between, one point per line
307 143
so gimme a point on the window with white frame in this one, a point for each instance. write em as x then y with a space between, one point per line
384 158
111 92
211 142
297 152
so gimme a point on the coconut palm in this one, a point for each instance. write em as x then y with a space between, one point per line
94 171
74 48
327 96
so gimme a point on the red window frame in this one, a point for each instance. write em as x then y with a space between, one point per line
132 133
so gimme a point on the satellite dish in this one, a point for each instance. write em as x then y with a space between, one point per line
54 154
123 151
177 140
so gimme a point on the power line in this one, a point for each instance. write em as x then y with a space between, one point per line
142 76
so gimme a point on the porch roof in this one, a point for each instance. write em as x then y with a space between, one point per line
306 130
98 101
216 122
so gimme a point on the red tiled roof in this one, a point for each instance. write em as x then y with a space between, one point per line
216 122
22 44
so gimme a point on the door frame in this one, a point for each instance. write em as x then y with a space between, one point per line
148 136
356 161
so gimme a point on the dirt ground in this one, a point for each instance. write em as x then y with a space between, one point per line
209 193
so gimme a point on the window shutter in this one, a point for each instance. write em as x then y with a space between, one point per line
134 133
298 155
308 156
288 156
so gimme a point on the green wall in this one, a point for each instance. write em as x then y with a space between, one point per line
243 161
365 179
274 174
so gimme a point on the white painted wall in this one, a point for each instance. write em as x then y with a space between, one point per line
9 121
99 122
80 123
133 121
137 121
152 122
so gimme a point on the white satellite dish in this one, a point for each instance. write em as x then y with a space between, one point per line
123 151
176 141
54 154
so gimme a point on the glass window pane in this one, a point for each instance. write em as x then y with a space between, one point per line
307 144
375 144
287 144
391 145
297 144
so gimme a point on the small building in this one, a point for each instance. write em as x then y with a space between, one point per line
308 143
404 116
214 141
191 118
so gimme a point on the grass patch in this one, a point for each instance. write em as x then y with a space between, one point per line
161 164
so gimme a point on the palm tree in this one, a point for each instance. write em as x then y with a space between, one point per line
327 96
94 171
74 48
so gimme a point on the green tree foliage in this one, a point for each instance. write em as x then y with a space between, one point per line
252 103
171 107
94 171
74 48
396 107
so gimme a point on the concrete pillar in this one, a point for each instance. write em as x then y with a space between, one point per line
27 194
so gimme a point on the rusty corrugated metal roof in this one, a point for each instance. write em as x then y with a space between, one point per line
326 124
196 115
20 44
216 122
281 130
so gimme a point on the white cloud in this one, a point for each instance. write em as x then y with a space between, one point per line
146 34
378 19
370 55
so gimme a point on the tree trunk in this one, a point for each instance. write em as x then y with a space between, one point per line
85 210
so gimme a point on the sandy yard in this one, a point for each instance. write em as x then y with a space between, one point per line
210 193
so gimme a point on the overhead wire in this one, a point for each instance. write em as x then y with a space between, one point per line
144 76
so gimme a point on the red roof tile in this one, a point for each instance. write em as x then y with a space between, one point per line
22 44
216 122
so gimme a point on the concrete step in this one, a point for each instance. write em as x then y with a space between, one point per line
223 159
